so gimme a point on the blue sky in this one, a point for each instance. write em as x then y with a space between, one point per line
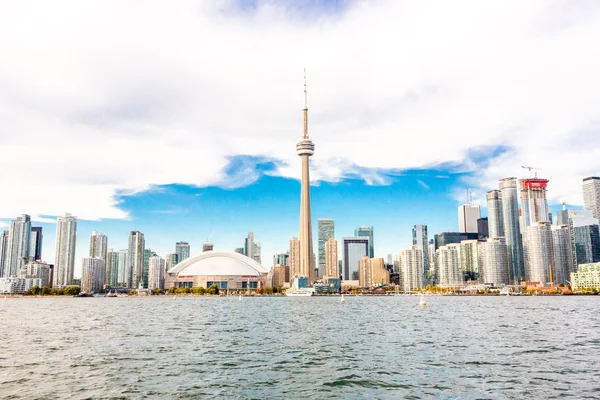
183 121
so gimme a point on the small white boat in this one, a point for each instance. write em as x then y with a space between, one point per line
342 299
174 297
422 301
240 298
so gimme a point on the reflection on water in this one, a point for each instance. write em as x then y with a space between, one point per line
467 347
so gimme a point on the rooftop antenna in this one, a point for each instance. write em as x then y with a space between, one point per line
305 95
305 110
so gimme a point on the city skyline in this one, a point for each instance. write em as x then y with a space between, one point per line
397 138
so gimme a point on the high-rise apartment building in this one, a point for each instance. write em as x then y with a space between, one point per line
135 259
366 231
92 275
411 268
534 206
326 230
354 249
295 271
35 243
171 260
147 254
17 247
538 251
372 272
182 249
585 237
331 259
419 239
3 247
66 241
470 260
495 219
591 195
156 272
112 268
252 249
123 274
468 214
562 265
37 270
512 230
494 256
450 274
99 249
281 258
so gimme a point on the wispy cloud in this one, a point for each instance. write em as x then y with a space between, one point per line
423 184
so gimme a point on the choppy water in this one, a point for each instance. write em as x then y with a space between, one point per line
467 347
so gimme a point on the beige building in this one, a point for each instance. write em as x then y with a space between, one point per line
281 275
411 268
372 272
295 258
332 268
37 269
586 277
92 275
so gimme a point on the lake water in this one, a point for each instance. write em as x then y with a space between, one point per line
375 347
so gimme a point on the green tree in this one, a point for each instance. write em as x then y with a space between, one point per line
132 292
46 291
172 290
268 290
213 289
72 290
35 290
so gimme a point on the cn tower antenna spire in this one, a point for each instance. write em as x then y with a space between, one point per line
305 95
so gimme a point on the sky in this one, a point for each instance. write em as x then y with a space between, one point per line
180 119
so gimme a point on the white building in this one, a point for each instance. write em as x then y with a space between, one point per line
66 240
135 259
122 275
468 214
15 285
591 195
99 249
37 269
112 268
411 268
588 277
495 218
538 249
449 270
17 247
3 245
419 238
92 275
495 261
156 273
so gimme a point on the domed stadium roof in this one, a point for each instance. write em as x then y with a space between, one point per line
218 263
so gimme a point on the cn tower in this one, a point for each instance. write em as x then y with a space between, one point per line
305 148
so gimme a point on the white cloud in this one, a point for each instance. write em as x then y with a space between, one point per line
104 98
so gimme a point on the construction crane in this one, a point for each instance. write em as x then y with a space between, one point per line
531 169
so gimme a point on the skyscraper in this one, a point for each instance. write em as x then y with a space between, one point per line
450 274
171 260
135 259
512 231
326 229
585 237
411 268
3 246
35 243
98 249
366 231
563 261
354 249
482 228
419 239
251 248
470 260
331 258
281 258
182 249
295 271
305 148
123 274
17 247
591 195
66 241
468 214
147 254
495 219
372 272
534 207
92 275
539 252
494 256
112 268
156 272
